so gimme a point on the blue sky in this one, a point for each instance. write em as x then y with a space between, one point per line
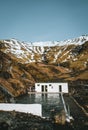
43 20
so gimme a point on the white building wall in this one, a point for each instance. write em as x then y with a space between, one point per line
65 87
52 87
37 88
35 109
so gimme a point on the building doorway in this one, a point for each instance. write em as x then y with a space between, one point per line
44 88
60 88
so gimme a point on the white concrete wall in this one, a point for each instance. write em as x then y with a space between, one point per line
65 87
52 87
37 88
35 109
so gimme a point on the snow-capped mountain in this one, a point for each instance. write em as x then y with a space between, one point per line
22 64
79 40
42 51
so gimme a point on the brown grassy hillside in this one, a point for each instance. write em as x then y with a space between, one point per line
22 65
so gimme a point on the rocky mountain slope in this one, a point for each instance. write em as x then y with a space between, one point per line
22 64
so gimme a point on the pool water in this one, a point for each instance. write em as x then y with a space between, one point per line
49 102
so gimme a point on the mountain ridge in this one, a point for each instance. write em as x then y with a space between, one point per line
27 51
21 65
79 40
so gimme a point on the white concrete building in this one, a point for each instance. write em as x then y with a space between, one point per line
51 87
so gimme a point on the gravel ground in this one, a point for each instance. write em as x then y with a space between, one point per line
80 117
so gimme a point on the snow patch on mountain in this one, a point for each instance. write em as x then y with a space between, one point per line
36 51
79 40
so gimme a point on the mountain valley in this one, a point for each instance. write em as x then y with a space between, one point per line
22 64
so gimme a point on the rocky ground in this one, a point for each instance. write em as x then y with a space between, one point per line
16 121
80 93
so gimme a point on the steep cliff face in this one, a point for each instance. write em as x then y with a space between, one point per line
22 64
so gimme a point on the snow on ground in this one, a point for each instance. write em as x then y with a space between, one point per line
47 43
35 109
40 50
56 56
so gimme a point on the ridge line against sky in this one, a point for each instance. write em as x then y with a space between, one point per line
43 20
